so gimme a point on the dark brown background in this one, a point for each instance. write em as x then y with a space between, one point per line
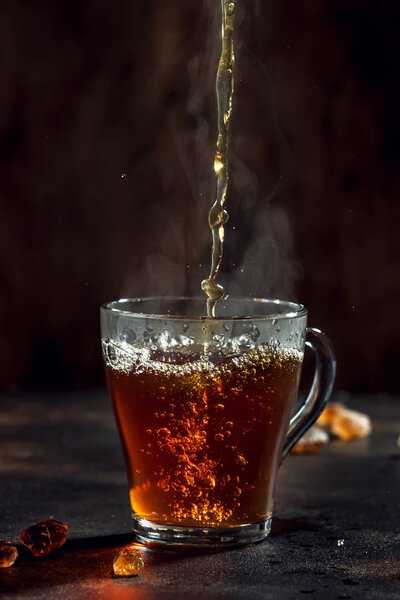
107 126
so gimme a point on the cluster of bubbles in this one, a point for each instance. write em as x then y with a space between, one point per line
190 483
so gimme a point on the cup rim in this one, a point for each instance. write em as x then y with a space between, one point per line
296 310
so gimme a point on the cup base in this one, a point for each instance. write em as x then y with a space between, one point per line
200 537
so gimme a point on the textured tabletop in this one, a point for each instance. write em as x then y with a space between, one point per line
335 532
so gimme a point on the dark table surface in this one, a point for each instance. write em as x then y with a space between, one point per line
335 532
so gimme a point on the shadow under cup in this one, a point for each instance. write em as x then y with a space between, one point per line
204 410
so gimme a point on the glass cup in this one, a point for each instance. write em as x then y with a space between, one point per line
205 409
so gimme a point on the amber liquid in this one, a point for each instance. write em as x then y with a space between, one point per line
218 216
202 436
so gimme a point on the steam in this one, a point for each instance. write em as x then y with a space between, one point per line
259 257
268 268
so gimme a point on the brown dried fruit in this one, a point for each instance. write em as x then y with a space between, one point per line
351 425
329 413
8 554
312 441
44 537
347 424
128 563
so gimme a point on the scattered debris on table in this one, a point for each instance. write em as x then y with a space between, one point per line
44 537
346 424
128 563
312 441
330 412
8 554
351 425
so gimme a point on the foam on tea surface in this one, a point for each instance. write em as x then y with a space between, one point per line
200 428
184 357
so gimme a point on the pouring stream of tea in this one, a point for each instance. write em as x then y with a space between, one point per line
218 216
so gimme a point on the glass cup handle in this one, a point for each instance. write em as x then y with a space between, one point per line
321 388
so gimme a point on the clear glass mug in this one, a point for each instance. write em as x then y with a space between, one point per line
204 408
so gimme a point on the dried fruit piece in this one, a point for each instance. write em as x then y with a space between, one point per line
44 537
345 423
8 554
329 413
312 441
128 563
351 425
